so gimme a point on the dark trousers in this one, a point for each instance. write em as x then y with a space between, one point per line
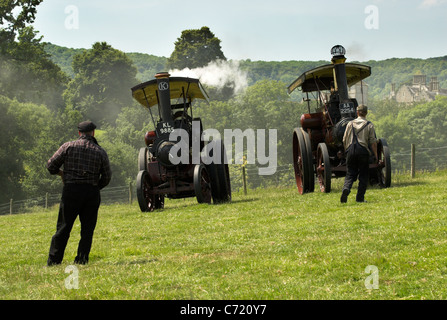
357 166
77 199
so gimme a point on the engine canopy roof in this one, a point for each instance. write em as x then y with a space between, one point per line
320 78
146 93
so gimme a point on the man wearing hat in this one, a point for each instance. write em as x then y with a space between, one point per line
86 170
357 162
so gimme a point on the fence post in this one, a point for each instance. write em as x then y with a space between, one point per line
10 206
130 192
413 162
46 200
244 180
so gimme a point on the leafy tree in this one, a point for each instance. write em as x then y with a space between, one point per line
28 74
102 82
425 125
11 162
147 65
13 21
266 105
132 124
47 137
123 160
34 134
195 48
62 56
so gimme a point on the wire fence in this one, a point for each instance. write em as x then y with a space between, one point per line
111 195
426 159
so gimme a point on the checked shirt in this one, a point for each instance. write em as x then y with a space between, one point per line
84 161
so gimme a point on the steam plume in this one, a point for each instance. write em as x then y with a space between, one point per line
219 73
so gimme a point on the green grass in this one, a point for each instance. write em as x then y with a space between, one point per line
270 244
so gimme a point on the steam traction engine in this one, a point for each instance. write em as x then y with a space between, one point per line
159 175
318 144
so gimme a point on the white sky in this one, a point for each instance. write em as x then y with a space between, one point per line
269 30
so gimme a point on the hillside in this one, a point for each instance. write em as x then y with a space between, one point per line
384 72
147 65
272 244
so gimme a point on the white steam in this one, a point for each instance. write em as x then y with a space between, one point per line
218 74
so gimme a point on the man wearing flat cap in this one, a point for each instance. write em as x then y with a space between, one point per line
86 170
361 131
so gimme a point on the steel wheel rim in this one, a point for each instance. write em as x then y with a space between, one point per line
202 184
300 161
146 199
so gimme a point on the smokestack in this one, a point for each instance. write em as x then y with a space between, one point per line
338 60
164 96
346 106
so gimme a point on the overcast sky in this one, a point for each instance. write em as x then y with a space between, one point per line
269 30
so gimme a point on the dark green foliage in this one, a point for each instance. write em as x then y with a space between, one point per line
102 82
195 48
12 21
147 65
10 159
63 57
27 73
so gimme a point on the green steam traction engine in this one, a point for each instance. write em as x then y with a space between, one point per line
159 175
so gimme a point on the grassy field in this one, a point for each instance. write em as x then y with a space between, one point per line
269 244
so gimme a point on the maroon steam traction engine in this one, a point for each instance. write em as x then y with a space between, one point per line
159 175
318 144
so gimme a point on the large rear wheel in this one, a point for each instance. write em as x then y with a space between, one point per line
384 164
301 162
219 172
202 184
309 161
143 159
147 200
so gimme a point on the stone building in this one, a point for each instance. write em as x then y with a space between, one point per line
418 91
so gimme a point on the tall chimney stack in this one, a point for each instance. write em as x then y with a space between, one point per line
341 83
338 60
164 96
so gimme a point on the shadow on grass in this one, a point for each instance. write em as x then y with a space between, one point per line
191 205
133 262
239 201
399 184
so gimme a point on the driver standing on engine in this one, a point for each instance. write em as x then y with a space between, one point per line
358 164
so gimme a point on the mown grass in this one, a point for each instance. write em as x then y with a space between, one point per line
269 244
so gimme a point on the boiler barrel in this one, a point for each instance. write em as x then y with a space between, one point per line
312 120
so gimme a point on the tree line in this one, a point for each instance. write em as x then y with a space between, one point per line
46 90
